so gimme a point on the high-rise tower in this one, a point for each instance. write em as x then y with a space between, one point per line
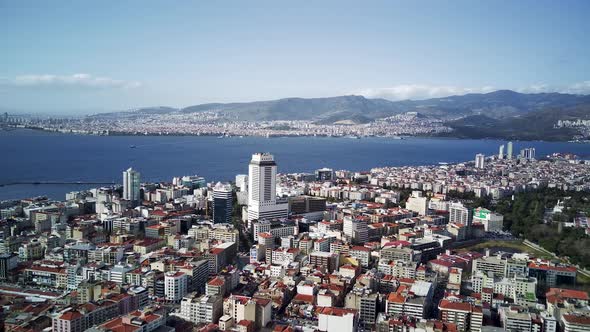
509 151
262 199
131 185
501 152
479 160
222 203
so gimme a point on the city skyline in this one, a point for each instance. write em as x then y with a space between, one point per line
73 59
331 166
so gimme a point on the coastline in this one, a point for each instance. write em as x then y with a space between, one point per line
282 135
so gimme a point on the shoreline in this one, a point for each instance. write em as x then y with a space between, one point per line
286 135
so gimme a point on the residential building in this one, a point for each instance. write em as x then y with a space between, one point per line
175 286
201 309
337 319
466 316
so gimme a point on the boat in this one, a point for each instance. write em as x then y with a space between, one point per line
132 146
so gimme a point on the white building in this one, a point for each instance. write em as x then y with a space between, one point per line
131 185
337 319
262 200
479 160
460 214
175 286
575 323
509 151
277 230
242 182
492 222
201 309
356 229
528 153
417 203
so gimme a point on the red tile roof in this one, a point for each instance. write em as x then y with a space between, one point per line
71 315
333 311
559 295
577 319
455 306
216 282
304 298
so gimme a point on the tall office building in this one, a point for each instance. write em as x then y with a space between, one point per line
479 160
501 152
325 174
528 153
509 151
262 199
131 185
222 203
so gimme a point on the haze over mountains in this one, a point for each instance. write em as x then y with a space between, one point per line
499 114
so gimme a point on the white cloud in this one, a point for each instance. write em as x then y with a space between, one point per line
580 88
423 91
536 88
75 80
420 91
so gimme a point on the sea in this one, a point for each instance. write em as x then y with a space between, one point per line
38 156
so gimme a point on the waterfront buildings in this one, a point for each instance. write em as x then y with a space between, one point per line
527 153
325 174
509 151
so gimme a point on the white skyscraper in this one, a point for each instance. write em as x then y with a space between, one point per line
528 153
131 185
262 200
509 151
501 152
479 160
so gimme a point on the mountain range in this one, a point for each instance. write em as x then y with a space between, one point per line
499 114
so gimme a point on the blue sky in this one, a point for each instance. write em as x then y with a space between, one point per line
80 57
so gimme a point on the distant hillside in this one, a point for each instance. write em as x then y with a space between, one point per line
538 125
502 113
332 109
499 104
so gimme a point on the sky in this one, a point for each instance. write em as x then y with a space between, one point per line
79 57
